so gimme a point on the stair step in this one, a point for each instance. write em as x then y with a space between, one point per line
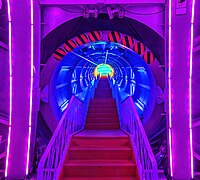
100 178
74 169
100 102
107 100
106 110
103 107
99 162
102 96
103 104
109 95
102 120
100 153
103 86
102 126
104 178
89 141
104 90
102 114
102 133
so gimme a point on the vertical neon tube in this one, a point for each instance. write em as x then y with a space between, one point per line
31 90
169 86
10 84
190 89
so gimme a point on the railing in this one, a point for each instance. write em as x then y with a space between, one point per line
72 121
131 124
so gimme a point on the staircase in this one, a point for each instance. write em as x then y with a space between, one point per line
101 151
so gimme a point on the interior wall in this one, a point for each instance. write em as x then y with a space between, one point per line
53 16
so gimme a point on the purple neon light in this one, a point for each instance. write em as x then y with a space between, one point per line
31 91
170 131
169 84
10 84
190 89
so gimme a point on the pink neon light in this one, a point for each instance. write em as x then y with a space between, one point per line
169 84
170 152
169 79
190 89
31 92
9 14
170 132
28 153
10 84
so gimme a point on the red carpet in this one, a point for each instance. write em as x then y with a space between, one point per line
102 151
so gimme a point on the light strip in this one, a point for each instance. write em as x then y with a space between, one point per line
10 84
169 84
106 57
84 58
170 131
190 89
31 91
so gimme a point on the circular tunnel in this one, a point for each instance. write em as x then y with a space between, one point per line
76 72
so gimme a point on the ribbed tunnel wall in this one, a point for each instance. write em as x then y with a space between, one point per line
75 73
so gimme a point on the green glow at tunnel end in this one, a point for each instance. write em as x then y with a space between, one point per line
104 70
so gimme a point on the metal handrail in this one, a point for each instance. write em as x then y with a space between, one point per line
131 124
3 146
72 121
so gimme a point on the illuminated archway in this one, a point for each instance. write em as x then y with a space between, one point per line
104 70
78 70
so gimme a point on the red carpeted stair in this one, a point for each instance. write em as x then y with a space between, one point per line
101 151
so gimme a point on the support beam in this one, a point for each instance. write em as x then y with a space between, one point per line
180 91
19 88
24 61
81 2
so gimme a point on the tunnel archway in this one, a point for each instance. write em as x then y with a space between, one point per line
152 119
75 73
